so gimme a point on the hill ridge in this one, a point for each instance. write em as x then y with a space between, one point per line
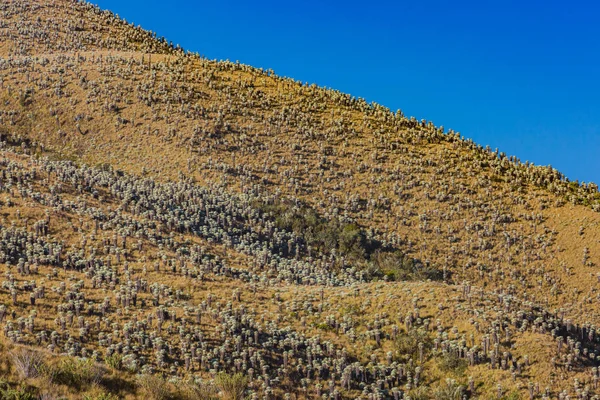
165 214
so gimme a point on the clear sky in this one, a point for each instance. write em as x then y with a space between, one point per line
523 76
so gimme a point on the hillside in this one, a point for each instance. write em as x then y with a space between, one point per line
179 227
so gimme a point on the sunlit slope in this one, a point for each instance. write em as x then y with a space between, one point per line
321 191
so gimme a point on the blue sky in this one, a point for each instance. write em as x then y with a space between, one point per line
523 76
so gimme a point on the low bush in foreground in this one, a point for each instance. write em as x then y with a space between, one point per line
27 363
233 386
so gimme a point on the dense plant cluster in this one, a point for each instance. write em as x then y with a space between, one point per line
129 226
176 227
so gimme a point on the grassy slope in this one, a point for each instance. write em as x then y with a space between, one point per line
151 111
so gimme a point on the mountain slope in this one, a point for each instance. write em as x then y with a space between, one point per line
310 233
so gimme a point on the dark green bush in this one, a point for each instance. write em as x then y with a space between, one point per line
407 343
450 362
320 234
78 372
398 267
9 392
349 240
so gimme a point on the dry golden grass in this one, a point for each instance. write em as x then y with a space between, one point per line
104 94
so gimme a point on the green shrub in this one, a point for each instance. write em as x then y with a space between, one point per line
101 396
200 390
450 390
79 372
323 326
114 361
407 344
324 235
511 396
321 234
450 362
153 386
27 363
398 267
419 393
7 392
233 386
